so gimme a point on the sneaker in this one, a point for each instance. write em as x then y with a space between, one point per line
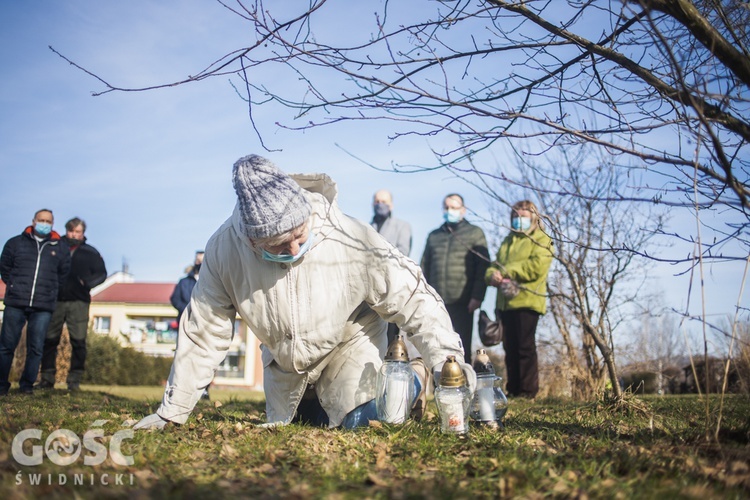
26 390
425 379
45 384
205 395
74 387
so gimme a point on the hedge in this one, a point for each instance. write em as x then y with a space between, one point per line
107 362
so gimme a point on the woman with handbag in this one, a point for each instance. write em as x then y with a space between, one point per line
520 274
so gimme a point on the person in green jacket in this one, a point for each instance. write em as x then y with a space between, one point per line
520 274
454 262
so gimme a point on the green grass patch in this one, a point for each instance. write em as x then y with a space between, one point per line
155 392
649 448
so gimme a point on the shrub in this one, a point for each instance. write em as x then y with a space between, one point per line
102 360
109 363
640 382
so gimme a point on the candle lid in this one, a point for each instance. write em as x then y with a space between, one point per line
397 350
482 363
452 375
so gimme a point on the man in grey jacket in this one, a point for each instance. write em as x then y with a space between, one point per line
397 232
317 288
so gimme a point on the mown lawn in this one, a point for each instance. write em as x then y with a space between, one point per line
651 448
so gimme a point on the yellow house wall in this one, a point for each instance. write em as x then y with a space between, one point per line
121 313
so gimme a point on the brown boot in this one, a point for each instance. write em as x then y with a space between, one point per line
425 380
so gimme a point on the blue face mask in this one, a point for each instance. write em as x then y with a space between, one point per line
286 258
43 228
520 223
382 210
452 216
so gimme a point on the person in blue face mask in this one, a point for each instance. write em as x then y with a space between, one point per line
317 288
397 232
33 266
520 274
454 261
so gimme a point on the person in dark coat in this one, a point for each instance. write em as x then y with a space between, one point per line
183 290
87 270
180 297
33 266
454 261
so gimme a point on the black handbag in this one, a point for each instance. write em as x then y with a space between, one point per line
490 332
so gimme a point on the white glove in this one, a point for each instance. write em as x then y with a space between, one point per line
471 376
272 425
153 421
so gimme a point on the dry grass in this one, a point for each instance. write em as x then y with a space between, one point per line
645 448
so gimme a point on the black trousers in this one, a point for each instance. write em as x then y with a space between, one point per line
463 324
75 314
519 343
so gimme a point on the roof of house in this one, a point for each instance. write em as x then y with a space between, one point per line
136 293
132 293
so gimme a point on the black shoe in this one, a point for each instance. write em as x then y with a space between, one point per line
74 388
45 384
205 395
26 390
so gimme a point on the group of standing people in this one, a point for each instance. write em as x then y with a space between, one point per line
317 288
457 265
48 281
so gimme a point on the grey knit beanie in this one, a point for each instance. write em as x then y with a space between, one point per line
271 203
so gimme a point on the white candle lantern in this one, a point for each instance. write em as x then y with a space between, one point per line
395 385
490 404
453 398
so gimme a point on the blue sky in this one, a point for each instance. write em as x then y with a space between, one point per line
150 171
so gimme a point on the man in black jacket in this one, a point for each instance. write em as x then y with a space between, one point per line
33 266
454 262
73 300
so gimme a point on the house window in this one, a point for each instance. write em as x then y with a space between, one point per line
102 324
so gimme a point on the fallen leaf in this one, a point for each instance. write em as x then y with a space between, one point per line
382 462
376 480
561 487
265 469
738 467
144 477
228 451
